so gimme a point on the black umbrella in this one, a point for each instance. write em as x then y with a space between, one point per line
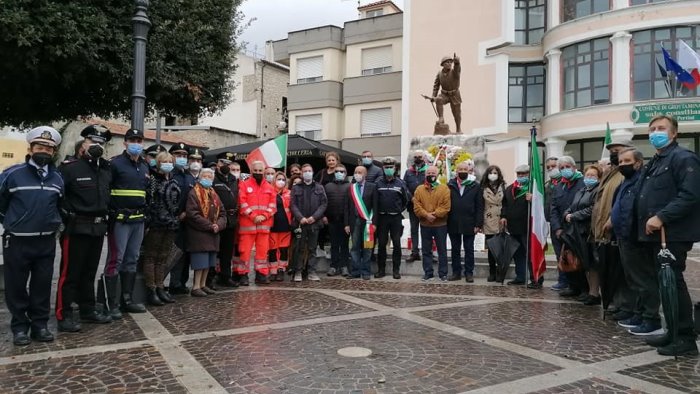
576 243
667 288
503 247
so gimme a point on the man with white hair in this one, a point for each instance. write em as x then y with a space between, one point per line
257 203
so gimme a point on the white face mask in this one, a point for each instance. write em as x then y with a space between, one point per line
493 177
359 178
195 166
281 183
308 176
269 178
236 174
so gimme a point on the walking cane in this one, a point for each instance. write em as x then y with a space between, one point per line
104 289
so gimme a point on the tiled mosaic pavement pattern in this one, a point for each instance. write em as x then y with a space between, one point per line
284 338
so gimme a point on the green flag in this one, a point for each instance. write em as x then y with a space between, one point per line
608 140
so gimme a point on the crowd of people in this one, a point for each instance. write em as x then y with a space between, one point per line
171 214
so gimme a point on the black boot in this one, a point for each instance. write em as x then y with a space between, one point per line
68 324
164 296
381 270
152 298
243 281
93 316
107 297
396 269
127 303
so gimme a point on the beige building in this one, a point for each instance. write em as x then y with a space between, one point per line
13 148
571 65
345 83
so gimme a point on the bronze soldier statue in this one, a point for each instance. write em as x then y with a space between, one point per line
448 80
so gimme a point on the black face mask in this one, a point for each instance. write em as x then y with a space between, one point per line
627 170
430 178
95 151
225 170
418 162
614 159
41 158
463 175
258 178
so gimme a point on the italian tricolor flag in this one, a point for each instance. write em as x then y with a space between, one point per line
273 153
608 140
538 225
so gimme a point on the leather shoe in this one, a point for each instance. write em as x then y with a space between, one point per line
455 278
228 282
244 280
491 278
21 339
164 296
469 279
379 275
42 335
569 292
681 347
516 282
412 258
397 275
95 317
660 341
592 300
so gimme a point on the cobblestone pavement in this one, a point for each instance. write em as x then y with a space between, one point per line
353 336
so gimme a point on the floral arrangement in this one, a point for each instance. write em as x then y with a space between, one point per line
446 157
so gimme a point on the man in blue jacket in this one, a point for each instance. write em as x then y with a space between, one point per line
669 197
465 219
29 209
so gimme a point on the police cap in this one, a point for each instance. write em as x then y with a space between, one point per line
230 156
44 135
133 133
97 133
153 150
179 147
389 161
195 153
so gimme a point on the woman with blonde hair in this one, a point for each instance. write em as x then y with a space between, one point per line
162 202
280 233
205 217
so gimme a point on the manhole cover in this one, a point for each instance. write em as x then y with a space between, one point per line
354 351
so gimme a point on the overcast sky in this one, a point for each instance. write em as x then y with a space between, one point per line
275 18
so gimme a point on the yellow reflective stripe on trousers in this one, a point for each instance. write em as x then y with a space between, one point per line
121 216
128 193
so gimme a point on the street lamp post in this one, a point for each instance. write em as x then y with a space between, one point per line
138 94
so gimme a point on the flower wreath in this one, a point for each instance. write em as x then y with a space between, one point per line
445 158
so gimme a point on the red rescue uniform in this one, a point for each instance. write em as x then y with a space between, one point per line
254 200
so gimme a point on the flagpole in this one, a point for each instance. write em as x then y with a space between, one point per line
528 262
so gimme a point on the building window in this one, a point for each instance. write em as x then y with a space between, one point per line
529 21
310 69
309 126
648 83
8 155
640 2
373 13
376 60
525 92
573 9
586 73
376 121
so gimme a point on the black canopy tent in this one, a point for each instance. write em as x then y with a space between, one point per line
299 150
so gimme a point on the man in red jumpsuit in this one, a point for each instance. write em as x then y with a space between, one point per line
257 206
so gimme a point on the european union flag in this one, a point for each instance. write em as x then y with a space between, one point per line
672 66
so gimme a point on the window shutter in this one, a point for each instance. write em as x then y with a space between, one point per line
378 57
376 121
310 67
308 123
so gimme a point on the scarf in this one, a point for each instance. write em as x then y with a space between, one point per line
204 198
521 189
365 214
467 182
422 169
554 182
569 182
432 185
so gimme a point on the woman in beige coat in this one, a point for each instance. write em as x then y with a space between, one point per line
494 188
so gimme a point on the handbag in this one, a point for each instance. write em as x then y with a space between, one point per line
568 261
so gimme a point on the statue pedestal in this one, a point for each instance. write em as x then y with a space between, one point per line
476 146
441 129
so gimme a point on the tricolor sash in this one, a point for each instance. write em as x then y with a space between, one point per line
365 214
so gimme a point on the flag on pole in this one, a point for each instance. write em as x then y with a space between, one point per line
682 76
690 61
608 140
273 153
667 80
538 225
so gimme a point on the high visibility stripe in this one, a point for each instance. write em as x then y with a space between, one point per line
32 234
261 207
128 193
48 188
121 216
254 228
244 205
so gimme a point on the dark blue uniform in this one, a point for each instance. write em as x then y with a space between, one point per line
29 209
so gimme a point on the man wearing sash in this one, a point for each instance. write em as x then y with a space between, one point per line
360 222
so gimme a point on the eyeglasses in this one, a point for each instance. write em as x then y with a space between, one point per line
340 172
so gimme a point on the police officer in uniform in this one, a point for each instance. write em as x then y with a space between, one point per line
29 209
179 274
84 211
126 229
151 153
226 187
393 200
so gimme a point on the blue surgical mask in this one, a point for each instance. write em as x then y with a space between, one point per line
180 162
166 167
206 183
590 182
134 148
367 161
152 162
659 139
567 173
523 180
339 176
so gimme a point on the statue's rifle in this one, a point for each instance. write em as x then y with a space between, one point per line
432 102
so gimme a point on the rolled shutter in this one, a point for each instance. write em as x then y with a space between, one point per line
378 57
309 126
376 121
310 67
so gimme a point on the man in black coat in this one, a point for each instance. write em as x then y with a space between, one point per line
393 199
337 193
355 219
414 177
465 219
226 187
669 197
308 207
514 218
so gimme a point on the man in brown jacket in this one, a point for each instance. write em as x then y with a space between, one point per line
448 80
431 203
